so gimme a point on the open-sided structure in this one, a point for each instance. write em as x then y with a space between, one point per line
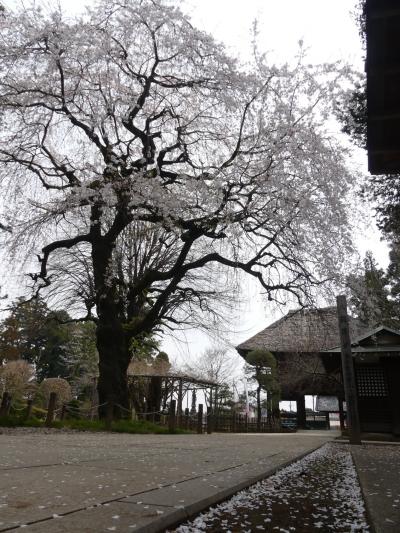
161 388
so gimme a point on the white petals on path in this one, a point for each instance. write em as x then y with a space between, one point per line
319 493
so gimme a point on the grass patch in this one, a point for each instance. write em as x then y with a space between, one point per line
14 421
119 426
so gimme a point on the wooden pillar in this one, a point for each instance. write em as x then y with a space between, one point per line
171 395
180 401
209 420
165 394
301 412
172 416
341 414
349 381
200 419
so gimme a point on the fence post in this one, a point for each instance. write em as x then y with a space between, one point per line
109 415
51 408
180 400
172 416
209 420
246 423
187 418
233 425
63 411
200 419
28 412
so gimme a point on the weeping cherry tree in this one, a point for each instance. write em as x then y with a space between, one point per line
128 115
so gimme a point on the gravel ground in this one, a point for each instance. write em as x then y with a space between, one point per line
320 493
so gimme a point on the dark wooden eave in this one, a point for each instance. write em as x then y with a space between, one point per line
383 85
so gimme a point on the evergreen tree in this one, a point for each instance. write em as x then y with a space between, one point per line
370 296
36 334
81 357
262 367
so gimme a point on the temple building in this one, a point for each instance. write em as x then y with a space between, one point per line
306 345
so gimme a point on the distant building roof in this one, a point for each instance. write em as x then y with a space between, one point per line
301 331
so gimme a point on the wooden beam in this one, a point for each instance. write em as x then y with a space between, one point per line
349 381
301 412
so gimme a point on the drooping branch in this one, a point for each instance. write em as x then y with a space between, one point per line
52 247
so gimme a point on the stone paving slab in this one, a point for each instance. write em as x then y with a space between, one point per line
378 468
93 469
116 516
35 494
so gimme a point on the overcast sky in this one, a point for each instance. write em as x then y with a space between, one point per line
329 33
327 27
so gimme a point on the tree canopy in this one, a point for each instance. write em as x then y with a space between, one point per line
128 115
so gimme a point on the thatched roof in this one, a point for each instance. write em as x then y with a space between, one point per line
301 331
297 340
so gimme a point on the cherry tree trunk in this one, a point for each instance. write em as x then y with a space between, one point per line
113 365
111 339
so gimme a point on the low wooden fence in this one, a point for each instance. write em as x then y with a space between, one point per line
203 421
226 422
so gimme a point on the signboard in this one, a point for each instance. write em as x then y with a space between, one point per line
329 404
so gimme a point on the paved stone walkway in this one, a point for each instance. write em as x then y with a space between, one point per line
378 469
93 483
